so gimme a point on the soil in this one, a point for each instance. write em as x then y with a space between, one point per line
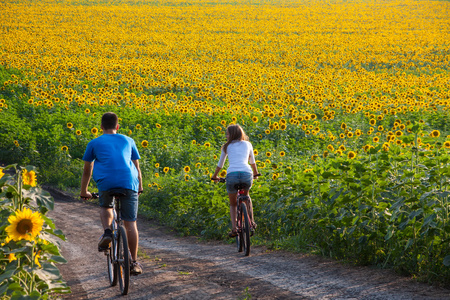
188 268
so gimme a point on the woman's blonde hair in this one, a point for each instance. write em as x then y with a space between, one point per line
235 133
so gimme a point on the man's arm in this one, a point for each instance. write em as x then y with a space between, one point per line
87 173
136 164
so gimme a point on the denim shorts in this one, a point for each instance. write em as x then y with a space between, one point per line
238 177
128 203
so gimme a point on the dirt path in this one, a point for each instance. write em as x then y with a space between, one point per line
184 268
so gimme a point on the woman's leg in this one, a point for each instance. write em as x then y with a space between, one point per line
233 210
250 208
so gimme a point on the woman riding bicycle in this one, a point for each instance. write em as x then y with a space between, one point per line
240 153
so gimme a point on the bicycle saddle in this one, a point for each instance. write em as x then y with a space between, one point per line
240 186
117 192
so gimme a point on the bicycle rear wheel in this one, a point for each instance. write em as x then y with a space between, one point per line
245 230
123 261
112 265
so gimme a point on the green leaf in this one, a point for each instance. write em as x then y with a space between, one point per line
57 259
15 286
416 213
447 261
3 288
9 271
410 242
362 240
49 222
43 198
389 234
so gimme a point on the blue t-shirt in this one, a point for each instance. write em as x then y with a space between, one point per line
113 167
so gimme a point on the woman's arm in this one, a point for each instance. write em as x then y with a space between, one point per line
214 177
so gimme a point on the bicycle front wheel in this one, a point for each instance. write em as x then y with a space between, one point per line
123 261
245 225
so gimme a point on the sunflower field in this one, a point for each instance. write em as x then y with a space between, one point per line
346 104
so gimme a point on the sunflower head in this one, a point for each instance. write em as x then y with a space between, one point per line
351 155
24 225
29 177
435 133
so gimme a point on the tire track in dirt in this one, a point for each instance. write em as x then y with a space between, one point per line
185 268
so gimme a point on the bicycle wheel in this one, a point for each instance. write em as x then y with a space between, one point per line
245 226
239 236
112 265
123 261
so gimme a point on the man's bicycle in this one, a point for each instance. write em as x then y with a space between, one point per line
117 254
243 225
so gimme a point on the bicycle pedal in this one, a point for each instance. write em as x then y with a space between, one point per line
101 249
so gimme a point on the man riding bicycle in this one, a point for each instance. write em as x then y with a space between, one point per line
113 160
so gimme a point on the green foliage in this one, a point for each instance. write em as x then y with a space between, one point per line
27 266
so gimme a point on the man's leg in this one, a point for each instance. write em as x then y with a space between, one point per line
106 216
133 238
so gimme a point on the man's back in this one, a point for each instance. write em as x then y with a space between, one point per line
113 167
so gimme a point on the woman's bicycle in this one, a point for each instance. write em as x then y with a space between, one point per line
243 225
117 254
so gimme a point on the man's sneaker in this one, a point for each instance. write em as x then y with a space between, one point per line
105 240
135 268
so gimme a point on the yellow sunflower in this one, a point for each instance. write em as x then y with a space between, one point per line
69 125
144 143
166 169
187 169
157 165
351 155
282 153
25 225
29 178
158 125
268 154
1 172
435 133
78 132
94 130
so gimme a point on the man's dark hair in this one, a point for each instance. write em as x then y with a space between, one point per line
109 120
